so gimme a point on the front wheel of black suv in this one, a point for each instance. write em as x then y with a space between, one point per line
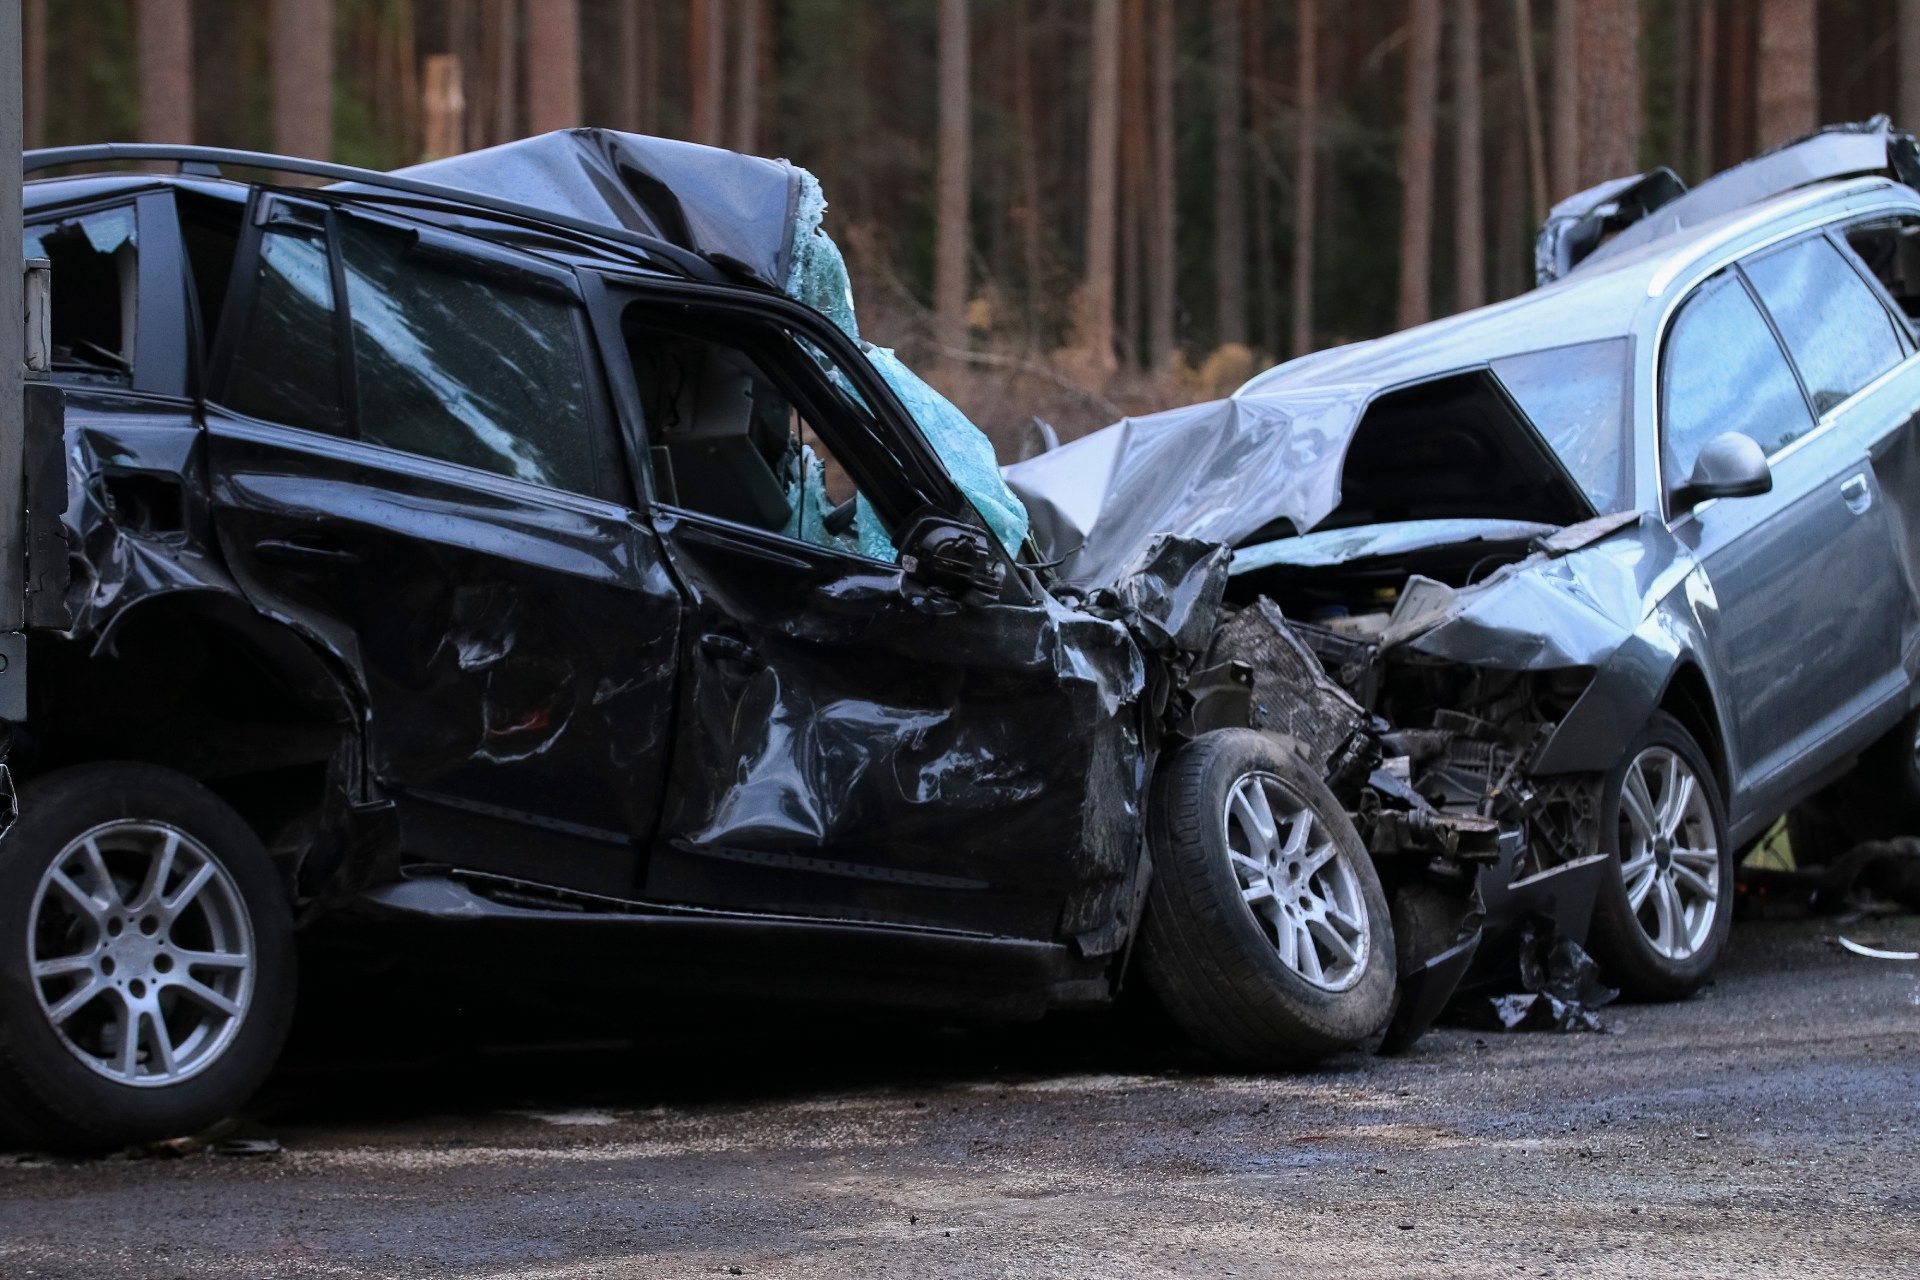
1267 937
146 959
1666 906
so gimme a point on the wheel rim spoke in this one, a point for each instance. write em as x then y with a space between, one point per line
107 1002
1304 896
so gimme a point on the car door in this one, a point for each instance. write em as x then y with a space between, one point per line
852 743
411 457
1807 611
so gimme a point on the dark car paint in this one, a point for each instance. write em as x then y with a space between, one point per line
636 708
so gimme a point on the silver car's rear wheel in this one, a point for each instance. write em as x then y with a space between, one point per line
1669 853
141 952
1296 881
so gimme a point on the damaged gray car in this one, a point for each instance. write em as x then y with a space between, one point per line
519 567
1626 564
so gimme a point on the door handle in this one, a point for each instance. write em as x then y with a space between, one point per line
725 648
305 553
1856 493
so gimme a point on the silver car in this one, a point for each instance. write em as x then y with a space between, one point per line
1628 560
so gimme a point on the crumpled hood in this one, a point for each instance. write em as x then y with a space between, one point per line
706 200
1214 472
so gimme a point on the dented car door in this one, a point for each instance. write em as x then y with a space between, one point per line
851 742
422 475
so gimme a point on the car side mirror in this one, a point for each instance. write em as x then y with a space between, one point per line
952 558
1731 465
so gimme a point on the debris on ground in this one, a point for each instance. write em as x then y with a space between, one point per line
1561 989
1875 953
1875 877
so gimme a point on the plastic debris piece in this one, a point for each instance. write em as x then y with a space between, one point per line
1561 988
1876 953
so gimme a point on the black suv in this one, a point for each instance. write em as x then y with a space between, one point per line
433 570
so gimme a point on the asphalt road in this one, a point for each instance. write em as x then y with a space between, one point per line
1769 1127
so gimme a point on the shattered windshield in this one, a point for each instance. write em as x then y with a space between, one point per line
1577 399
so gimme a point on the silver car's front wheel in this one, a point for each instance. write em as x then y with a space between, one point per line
1669 852
1661 924
141 952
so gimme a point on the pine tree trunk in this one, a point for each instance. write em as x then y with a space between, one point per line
1416 164
553 65
164 35
1306 182
952 237
1095 326
1706 54
1162 247
1736 51
1908 69
33 66
1229 177
1029 206
1135 161
1536 136
1789 100
746 76
443 106
1469 179
1609 44
1566 99
706 69
303 78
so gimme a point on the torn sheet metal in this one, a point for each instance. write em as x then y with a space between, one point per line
1875 953
1216 472
717 203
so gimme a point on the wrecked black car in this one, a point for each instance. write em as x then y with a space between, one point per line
521 558
1627 562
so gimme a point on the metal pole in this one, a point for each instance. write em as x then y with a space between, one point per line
12 333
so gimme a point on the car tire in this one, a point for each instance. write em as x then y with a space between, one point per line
1665 908
139 885
1235 966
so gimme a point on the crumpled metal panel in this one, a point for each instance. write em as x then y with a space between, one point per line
1213 472
713 202
850 747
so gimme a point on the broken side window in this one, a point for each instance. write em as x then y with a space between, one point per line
285 364
1839 335
1577 399
454 362
1723 371
1890 248
728 440
96 293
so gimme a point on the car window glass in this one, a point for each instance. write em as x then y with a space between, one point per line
210 233
1576 398
1840 336
1724 371
286 362
452 362
1890 248
729 442
96 293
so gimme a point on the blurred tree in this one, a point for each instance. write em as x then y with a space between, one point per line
33 67
1566 99
1706 61
749 43
707 70
1229 179
1416 163
1094 323
1788 105
1163 183
303 78
952 232
1908 77
1535 129
553 64
1306 178
1609 79
1469 180
164 40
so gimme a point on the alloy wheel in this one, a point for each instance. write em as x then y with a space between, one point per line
1297 883
141 953
1669 854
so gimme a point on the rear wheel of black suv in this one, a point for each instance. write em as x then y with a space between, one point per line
146 959
1267 937
1666 906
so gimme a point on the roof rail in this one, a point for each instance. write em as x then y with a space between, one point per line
209 159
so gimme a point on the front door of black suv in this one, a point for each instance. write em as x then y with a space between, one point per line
854 742
411 458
